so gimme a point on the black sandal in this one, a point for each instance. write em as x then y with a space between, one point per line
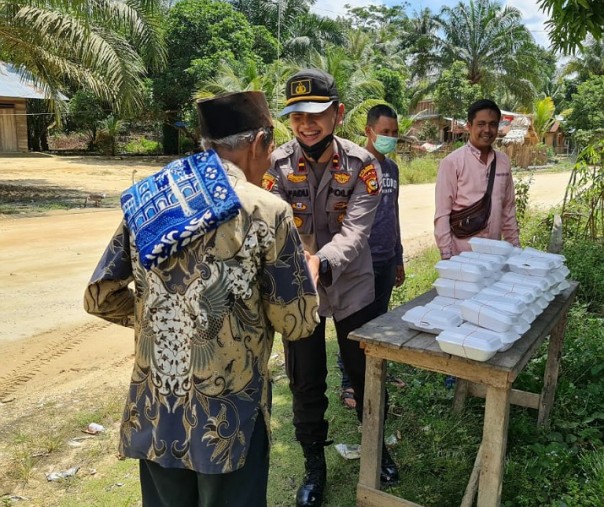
347 398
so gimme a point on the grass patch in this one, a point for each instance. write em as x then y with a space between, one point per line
16 198
424 169
418 170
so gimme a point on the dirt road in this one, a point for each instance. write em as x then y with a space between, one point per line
47 343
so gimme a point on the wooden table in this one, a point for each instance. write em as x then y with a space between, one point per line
388 338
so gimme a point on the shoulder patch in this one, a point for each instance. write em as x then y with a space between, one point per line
369 176
268 181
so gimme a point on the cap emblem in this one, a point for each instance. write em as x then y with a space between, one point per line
301 87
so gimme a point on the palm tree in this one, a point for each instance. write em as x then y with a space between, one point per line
419 40
105 47
589 61
248 77
309 32
497 49
543 116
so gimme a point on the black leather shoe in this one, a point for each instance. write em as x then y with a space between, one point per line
310 493
389 471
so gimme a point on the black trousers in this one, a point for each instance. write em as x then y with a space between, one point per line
306 365
178 487
384 278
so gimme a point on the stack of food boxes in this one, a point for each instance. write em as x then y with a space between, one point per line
488 298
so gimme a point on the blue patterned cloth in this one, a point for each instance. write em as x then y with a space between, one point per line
185 200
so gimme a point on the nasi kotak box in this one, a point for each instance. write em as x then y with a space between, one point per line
488 298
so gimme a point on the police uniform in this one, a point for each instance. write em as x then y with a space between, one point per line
334 216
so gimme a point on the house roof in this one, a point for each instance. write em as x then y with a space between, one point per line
518 131
14 86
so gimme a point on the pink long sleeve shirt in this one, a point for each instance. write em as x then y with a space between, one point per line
462 180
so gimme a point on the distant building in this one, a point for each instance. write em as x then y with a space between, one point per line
14 92
556 139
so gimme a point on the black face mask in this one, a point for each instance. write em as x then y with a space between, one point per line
315 151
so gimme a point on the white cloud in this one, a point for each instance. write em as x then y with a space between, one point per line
335 9
533 18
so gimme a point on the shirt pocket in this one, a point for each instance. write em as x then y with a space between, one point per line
336 212
302 215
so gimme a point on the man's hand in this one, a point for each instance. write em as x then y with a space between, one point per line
400 276
314 264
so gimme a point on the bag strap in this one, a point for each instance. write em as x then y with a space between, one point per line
492 175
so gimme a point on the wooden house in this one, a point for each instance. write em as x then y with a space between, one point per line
520 141
14 92
556 139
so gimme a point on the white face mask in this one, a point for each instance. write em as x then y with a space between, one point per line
385 144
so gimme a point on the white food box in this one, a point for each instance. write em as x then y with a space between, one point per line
507 339
469 343
431 320
456 288
445 303
542 302
491 246
507 304
488 317
560 273
563 285
531 313
533 251
489 266
538 282
528 293
533 265
460 271
500 289
496 261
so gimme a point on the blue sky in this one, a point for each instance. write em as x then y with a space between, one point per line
532 17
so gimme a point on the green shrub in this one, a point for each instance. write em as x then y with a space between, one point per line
142 146
536 227
420 273
187 145
522 186
419 170
585 259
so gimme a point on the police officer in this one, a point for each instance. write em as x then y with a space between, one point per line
333 186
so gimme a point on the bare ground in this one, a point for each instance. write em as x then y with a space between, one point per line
50 349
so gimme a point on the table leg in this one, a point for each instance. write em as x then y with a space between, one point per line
494 441
373 422
550 378
461 392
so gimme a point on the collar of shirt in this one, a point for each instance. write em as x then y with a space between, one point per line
476 153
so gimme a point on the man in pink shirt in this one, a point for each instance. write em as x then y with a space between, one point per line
462 180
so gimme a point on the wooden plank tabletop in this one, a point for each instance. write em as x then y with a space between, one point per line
389 337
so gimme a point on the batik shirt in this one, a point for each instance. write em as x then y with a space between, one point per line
204 322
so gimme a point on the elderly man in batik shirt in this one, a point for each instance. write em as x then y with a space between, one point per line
213 279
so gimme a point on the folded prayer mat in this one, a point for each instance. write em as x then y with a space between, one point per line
183 201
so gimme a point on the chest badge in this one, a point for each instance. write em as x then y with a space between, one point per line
296 178
341 178
299 206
